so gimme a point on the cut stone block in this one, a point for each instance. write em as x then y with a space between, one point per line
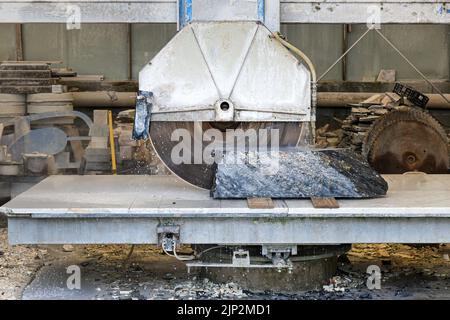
296 173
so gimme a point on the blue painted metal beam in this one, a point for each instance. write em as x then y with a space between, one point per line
184 12
261 11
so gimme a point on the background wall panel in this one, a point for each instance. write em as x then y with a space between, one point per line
7 42
427 46
321 43
93 49
103 48
147 41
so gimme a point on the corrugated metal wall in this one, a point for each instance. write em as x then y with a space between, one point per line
104 48
427 46
7 42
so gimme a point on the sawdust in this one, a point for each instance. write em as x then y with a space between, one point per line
419 257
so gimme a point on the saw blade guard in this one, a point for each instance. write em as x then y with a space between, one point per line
227 71
221 77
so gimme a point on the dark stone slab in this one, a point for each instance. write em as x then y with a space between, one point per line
8 82
25 89
296 173
25 74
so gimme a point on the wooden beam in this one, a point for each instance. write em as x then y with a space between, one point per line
19 42
260 203
324 203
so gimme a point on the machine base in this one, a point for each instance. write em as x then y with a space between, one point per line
132 209
306 275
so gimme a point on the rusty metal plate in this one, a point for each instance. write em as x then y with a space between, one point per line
407 140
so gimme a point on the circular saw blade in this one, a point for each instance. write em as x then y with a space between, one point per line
407 140
202 174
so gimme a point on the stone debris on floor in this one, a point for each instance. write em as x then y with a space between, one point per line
226 290
341 284
67 248
18 264
39 272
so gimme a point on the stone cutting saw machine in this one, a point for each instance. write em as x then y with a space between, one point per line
228 72
225 101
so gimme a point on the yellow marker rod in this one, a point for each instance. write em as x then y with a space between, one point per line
112 144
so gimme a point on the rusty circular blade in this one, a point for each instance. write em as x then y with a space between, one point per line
202 174
407 140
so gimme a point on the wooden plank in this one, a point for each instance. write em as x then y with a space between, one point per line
327 203
120 86
85 78
19 42
63 72
260 203
35 62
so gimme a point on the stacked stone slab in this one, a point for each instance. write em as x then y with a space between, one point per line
328 138
25 78
356 126
11 105
50 103
123 131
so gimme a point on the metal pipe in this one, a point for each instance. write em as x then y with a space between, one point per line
96 99
312 69
300 53
104 99
342 99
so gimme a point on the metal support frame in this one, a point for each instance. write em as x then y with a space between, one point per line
365 11
231 231
261 10
241 259
168 236
256 10
184 13
149 209
167 11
